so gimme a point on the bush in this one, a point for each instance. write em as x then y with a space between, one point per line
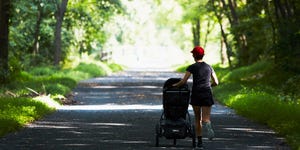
92 69
42 71
249 73
115 67
66 81
57 88
290 89
75 75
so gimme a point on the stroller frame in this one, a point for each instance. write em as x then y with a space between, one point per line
175 121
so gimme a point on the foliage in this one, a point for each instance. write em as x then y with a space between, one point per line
42 71
16 112
35 21
92 69
248 73
291 90
261 30
85 19
115 67
182 68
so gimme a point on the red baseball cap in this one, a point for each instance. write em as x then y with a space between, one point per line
198 50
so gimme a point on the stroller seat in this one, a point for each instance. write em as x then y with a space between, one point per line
175 122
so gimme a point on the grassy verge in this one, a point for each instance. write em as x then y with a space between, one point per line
252 93
36 92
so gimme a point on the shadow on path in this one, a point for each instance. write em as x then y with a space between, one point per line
120 112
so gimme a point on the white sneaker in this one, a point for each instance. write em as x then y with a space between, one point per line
210 132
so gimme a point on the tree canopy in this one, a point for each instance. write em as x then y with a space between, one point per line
43 32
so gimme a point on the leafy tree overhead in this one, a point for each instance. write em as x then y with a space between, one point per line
261 30
35 26
85 19
34 29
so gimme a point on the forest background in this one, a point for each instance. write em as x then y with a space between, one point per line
47 46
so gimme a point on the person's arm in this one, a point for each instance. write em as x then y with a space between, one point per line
184 80
214 79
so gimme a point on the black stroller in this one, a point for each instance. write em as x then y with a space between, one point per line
175 121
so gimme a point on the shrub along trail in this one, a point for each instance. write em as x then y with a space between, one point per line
120 112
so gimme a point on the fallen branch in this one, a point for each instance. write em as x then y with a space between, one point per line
11 93
33 91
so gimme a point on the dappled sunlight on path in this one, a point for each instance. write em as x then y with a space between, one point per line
120 112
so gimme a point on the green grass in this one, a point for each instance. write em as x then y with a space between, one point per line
251 92
263 107
21 107
15 112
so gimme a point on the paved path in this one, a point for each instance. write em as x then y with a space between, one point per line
120 112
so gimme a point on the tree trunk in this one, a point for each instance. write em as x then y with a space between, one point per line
35 46
208 30
4 31
240 37
288 47
196 32
59 15
223 34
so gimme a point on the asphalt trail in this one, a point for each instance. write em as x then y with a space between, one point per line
120 112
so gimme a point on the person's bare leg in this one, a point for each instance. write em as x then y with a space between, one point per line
198 124
206 111
198 119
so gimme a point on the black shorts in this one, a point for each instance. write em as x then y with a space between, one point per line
202 97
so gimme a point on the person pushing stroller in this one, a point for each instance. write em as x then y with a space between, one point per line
204 78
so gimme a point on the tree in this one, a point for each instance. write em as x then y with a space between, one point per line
39 17
218 13
4 31
84 20
194 13
59 15
287 22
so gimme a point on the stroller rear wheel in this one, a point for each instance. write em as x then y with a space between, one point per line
158 134
157 140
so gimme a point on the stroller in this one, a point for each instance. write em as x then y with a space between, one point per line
175 121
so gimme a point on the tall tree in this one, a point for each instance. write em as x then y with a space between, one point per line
4 31
195 11
39 18
215 6
59 15
288 21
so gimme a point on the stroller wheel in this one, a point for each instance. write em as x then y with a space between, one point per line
157 135
158 130
156 140
194 141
